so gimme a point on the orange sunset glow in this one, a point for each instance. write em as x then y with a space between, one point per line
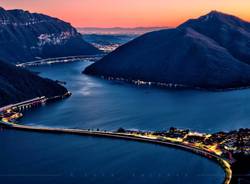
129 13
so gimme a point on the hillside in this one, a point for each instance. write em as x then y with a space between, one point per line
26 36
196 54
18 84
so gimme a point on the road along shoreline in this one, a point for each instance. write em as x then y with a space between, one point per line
113 135
9 120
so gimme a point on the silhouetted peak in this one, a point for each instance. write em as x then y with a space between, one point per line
215 12
217 19
216 15
223 18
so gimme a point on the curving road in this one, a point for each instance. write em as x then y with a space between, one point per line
222 162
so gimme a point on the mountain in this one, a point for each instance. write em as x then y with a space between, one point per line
18 84
26 36
198 54
228 31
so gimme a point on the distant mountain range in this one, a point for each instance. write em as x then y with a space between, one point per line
26 36
18 84
211 52
118 30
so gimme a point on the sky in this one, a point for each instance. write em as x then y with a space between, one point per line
129 13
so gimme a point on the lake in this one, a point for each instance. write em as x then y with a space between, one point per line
96 103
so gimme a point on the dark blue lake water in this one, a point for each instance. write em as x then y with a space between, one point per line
96 103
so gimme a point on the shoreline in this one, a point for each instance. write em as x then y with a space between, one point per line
222 162
170 86
111 135
58 60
